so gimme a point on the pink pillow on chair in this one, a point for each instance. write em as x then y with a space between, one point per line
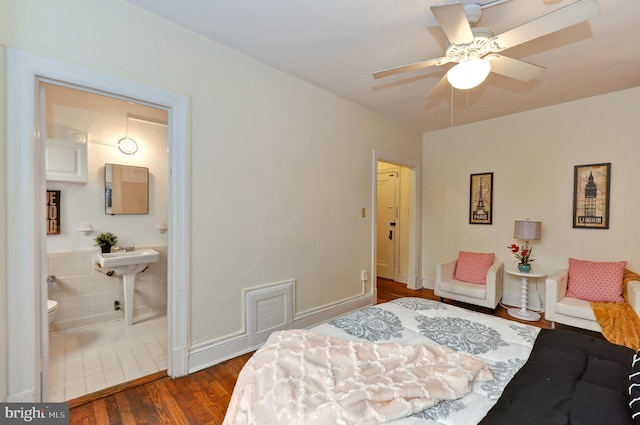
596 281
472 267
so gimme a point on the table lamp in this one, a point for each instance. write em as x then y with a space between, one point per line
527 230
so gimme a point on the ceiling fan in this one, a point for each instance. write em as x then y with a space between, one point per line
476 49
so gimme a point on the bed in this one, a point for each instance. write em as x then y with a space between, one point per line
536 376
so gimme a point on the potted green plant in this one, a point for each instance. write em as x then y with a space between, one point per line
105 241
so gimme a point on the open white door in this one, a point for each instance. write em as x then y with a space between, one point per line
387 215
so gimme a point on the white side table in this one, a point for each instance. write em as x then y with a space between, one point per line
522 313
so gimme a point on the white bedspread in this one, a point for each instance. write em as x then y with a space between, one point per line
302 377
501 344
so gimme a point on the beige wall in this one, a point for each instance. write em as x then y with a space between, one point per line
532 156
280 169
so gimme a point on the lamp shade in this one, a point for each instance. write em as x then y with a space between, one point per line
469 73
527 230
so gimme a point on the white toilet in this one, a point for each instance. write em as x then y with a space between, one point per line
52 308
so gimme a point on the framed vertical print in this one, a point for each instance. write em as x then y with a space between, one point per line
591 184
481 199
53 212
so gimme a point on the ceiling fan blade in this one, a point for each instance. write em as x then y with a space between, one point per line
558 19
493 3
454 23
438 87
411 67
513 68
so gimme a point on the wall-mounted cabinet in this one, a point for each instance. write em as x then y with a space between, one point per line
66 161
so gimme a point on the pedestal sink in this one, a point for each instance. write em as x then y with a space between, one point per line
128 265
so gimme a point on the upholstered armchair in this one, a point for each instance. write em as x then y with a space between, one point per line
473 278
568 292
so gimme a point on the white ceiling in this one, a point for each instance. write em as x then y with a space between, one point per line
338 44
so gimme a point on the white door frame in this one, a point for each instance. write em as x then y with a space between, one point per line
26 253
414 205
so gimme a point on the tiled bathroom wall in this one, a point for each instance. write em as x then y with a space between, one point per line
86 295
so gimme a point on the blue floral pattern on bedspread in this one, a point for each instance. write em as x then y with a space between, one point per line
442 410
373 324
502 344
527 333
460 334
419 304
502 373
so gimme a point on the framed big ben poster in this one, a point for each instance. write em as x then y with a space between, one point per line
591 184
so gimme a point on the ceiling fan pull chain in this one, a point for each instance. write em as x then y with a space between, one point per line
451 106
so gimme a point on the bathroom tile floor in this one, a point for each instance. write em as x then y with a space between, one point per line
89 359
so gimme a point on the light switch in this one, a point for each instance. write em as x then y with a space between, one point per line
364 212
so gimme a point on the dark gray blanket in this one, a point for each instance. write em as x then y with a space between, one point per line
570 378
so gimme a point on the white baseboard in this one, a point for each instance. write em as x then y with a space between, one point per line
178 363
534 302
212 353
329 312
427 283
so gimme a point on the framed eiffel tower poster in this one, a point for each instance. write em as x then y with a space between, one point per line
481 199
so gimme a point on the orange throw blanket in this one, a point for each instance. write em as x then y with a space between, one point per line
619 322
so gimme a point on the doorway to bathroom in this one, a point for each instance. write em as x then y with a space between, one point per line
27 271
90 345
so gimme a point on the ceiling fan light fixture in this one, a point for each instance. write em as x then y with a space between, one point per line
469 73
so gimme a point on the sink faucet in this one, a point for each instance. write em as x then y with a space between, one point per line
127 248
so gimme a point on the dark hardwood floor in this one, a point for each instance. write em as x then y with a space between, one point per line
203 396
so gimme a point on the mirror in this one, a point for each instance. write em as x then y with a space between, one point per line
126 189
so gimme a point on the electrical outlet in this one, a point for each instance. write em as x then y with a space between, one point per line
116 305
363 275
